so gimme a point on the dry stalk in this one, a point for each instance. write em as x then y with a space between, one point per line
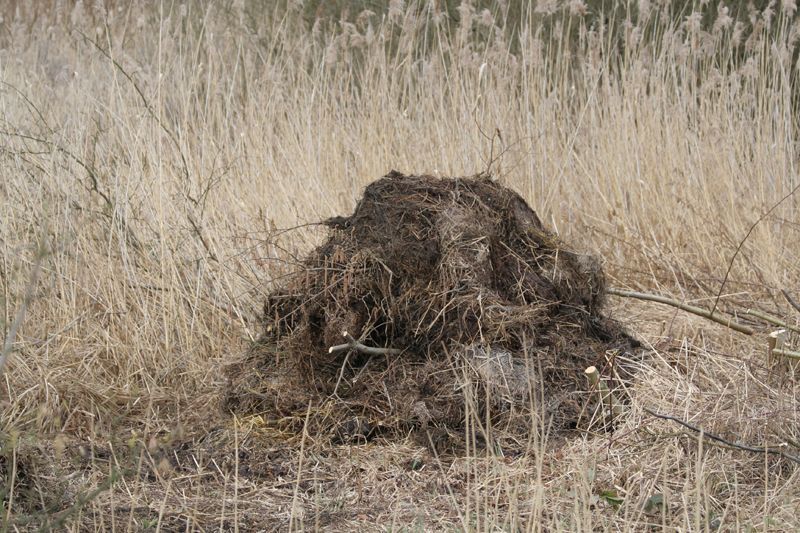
23 308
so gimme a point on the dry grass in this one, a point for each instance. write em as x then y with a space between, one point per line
151 151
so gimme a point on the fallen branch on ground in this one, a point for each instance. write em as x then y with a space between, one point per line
716 317
787 353
771 319
353 344
711 436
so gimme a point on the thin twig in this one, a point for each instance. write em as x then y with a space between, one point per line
341 375
353 344
791 300
30 104
203 241
149 108
711 436
741 243
90 171
716 317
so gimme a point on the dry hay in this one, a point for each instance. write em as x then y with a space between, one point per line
494 315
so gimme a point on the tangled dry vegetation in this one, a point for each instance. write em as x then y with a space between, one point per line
449 285
153 156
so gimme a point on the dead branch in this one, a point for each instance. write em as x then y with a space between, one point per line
711 436
787 353
771 319
716 317
353 344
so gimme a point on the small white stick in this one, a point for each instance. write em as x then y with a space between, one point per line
607 398
353 344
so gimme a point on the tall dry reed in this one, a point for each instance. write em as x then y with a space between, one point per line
152 149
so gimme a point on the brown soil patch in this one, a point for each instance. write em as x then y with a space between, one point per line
496 318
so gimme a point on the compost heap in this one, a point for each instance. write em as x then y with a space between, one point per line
484 312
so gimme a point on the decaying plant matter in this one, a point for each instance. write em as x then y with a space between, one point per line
475 304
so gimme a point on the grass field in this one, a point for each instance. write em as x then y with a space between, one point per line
150 154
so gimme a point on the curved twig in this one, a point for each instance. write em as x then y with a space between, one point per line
747 235
711 436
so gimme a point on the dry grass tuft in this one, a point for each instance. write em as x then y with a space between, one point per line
151 152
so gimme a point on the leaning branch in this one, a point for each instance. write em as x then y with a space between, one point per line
353 344
716 317
711 436
791 300
747 235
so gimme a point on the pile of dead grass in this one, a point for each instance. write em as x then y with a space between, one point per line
469 298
